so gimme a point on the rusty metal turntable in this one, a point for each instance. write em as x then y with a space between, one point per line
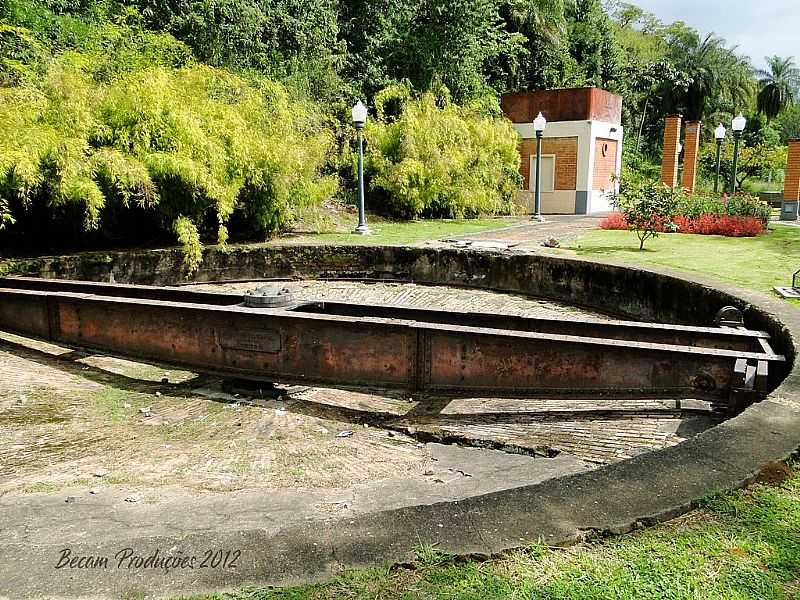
267 336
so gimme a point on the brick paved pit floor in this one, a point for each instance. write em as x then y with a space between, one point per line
89 425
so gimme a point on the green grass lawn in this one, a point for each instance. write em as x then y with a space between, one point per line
408 232
757 263
745 544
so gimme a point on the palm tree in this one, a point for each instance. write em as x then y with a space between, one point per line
541 25
544 18
779 85
715 75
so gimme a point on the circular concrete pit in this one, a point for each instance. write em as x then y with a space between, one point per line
100 453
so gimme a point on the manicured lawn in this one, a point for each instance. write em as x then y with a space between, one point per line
409 232
758 263
745 544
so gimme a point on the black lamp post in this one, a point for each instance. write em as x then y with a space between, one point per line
539 123
719 134
738 125
359 120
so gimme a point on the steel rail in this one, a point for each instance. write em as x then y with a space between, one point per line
712 337
417 350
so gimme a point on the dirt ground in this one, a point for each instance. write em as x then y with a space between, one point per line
71 421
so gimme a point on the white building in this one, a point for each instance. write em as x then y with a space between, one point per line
581 147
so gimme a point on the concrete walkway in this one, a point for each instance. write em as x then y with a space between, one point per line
788 223
530 234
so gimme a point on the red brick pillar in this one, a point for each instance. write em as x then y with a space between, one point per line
691 145
669 163
791 191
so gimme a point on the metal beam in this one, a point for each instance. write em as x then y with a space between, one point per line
421 351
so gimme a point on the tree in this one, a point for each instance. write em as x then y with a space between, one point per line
648 207
646 68
717 76
543 59
372 31
429 43
270 35
643 83
779 85
451 42
759 161
788 123
544 18
592 42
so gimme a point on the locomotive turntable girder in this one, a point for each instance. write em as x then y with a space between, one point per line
421 351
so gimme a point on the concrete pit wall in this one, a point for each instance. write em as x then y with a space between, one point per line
627 292
648 488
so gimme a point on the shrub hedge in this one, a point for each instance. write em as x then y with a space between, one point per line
428 157
738 216
731 226
115 150
740 205
704 225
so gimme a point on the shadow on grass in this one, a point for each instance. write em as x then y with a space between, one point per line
604 250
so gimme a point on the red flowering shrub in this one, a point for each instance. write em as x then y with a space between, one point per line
614 221
618 221
650 208
707 224
721 225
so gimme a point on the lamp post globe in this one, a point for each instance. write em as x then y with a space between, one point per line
539 125
359 115
719 135
737 124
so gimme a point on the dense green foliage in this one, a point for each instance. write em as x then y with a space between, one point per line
104 143
761 160
740 205
429 157
670 68
337 50
130 121
788 123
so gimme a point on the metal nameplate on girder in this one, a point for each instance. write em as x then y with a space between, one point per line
250 340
